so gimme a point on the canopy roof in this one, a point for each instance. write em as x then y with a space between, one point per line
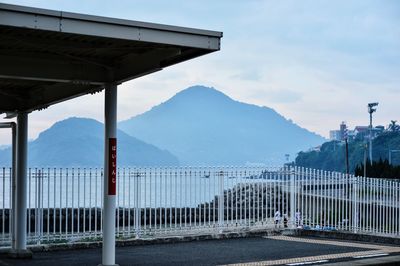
50 56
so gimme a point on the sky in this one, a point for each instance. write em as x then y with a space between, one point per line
317 63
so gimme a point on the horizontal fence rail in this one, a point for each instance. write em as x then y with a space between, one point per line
66 204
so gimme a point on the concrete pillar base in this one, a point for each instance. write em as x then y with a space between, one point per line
108 265
20 254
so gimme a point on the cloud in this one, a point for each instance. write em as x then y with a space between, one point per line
248 75
284 96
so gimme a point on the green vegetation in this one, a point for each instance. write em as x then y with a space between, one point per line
53 241
331 156
379 169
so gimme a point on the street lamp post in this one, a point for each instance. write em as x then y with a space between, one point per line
346 136
371 109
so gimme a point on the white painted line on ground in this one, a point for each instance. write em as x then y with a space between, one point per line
307 262
384 250
370 255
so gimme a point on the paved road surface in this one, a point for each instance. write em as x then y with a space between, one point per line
278 250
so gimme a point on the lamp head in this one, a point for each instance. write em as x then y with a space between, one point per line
370 107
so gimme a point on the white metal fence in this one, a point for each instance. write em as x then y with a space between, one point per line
65 204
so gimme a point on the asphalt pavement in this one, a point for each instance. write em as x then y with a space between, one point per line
209 252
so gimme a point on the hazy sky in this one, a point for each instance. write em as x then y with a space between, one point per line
315 62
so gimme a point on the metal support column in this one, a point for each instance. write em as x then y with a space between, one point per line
20 250
12 125
109 193
14 185
370 137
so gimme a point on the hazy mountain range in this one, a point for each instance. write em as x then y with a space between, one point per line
201 125
197 126
80 142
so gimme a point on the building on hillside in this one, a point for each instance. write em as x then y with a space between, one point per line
343 128
360 132
334 135
339 135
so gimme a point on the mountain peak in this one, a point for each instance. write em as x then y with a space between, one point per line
200 92
202 125
73 126
200 89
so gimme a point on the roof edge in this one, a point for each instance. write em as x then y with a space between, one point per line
108 20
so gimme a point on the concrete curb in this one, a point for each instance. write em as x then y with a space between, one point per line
392 260
151 241
345 236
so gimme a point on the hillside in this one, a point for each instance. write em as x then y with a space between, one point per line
80 142
332 154
203 126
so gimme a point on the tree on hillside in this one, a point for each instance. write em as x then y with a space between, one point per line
378 169
393 126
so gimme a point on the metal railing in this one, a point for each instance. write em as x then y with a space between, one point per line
66 204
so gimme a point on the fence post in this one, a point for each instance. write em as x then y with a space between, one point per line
38 207
221 201
137 210
355 214
292 171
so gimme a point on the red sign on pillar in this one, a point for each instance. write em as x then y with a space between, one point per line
112 166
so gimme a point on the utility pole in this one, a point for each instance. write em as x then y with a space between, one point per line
371 110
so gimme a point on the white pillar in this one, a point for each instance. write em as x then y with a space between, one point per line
13 127
110 182
19 249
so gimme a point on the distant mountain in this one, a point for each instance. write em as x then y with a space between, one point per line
3 147
80 142
201 125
